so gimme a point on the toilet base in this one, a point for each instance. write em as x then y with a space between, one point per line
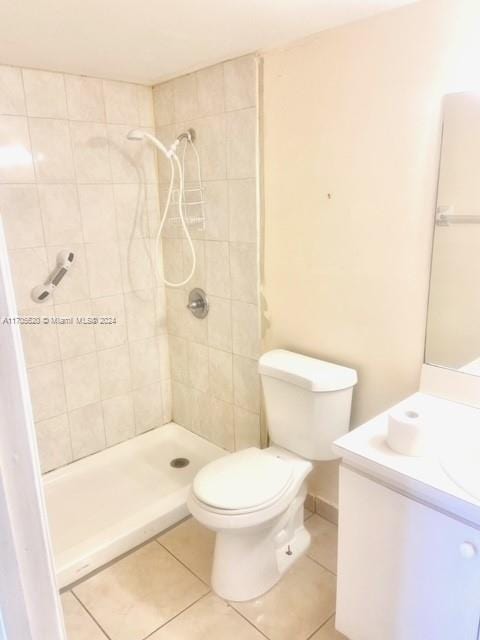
249 562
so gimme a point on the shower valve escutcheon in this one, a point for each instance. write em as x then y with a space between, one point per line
198 303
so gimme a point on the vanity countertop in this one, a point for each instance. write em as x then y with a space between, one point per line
423 478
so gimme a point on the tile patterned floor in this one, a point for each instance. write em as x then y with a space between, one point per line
161 592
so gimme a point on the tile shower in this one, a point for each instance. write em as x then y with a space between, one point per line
70 180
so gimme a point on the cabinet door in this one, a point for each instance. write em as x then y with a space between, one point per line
405 571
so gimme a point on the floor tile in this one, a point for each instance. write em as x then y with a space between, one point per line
209 619
78 623
298 605
327 632
192 544
323 548
139 593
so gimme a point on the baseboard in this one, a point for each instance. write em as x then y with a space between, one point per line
322 507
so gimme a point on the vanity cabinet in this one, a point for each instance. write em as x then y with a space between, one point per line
406 571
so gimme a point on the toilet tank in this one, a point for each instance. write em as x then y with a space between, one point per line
307 402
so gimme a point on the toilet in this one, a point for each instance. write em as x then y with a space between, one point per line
253 499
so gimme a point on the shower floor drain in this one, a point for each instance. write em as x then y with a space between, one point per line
179 463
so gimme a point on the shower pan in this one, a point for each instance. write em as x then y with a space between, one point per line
104 505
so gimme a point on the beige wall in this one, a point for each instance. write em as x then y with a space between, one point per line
69 179
214 361
352 132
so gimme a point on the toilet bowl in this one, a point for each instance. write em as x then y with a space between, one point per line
253 499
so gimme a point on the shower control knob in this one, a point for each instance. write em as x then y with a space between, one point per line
198 303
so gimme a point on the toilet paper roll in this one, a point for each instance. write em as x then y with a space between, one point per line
407 432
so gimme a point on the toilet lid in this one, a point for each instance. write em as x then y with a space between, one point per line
242 480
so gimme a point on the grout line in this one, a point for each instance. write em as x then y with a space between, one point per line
90 615
321 565
324 624
165 624
246 619
180 561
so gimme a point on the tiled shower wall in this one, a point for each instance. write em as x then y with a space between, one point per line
69 179
214 361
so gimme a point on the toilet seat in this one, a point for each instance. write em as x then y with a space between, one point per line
243 482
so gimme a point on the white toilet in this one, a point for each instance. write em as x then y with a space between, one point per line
254 498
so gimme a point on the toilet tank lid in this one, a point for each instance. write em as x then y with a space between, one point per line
306 372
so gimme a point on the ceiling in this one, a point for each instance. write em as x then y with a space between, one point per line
149 40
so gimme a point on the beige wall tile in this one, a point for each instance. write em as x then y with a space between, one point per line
221 428
244 271
164 105
140 314
44 94
136 258
220 323
201 422
179 358
85 98
104 271
90 152
247 429
245 328
130 217
82 383
12 100
218 269
242 210
47 390
87 430
167 401
120 102
14 136
110 335
20 213
182 410
148 405
216 197
210 90
220 365
62 222
211 143
29 268
40 341
79 624
97 207
119 418
140 592
240 83
198 366
241 143
75 339
52 151
185 98
114 370
53 438
246 384
173 259
199 276
145 362
145 106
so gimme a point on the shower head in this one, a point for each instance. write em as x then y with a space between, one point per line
135 134
138 134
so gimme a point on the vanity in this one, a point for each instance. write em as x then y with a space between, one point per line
409 525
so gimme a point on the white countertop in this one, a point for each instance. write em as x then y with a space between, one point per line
423 478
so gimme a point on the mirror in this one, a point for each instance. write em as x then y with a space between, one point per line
453 326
